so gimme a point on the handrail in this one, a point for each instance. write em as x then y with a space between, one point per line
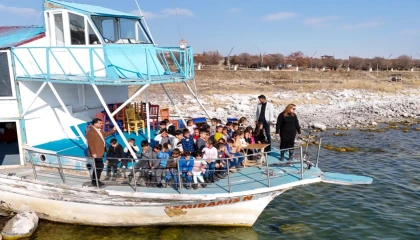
82 165
106 67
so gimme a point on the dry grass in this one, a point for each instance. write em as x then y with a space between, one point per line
252 82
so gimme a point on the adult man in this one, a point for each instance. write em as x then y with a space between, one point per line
97 147
265 115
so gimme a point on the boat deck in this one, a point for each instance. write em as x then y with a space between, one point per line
247 178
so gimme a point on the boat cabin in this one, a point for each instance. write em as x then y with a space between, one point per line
56 78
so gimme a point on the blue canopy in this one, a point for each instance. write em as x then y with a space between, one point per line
86 9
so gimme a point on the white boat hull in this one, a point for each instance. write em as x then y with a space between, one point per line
88 206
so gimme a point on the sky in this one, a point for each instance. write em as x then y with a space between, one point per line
323 27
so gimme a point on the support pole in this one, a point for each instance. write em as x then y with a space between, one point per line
148 115
101 99
173 103
33 100
130 99
196 98
67 111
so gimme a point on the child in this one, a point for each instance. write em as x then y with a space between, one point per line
124 163
242 139
242 122
225 133
191 126
236 149
213 126
187 141
221 166
172 171
114 152
210 156
229 126
198 170
259 133
235 127
218 133
142 164
196 134
233 161
186 164
164 137
163 156
162 125
177 140
200 143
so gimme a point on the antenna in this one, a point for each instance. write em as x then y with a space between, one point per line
145 23
177 19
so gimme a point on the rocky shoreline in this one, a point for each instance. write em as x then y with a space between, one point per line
324 109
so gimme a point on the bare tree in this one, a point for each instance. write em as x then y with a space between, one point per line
378 62
331 63
244 59
356 63
298 59
274 60
211 58
402 62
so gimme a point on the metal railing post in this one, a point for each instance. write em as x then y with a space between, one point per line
228 173
60 170
317 154
134 174
96 175
268 168
301 163
179 176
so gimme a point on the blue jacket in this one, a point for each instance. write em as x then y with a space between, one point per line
186 165
164 156
188 144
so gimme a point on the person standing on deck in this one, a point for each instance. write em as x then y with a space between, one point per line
287 126
265 115
97 147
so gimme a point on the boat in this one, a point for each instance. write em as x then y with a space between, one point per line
58 77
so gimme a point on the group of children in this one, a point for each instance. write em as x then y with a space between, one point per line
202 154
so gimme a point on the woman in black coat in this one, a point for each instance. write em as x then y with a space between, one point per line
287 126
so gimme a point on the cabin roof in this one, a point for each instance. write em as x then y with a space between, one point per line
12 36
86 9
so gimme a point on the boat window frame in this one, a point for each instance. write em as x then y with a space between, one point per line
138 26
88 23
11 77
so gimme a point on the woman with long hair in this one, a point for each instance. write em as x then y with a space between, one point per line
287 126
259 134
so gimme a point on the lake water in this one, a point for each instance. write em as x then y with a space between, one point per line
387 209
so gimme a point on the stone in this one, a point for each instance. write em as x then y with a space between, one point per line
319 126
21 225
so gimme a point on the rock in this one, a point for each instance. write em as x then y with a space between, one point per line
374 123
4 213
319 126
21 225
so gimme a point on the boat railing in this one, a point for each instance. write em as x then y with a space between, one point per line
71 167
112 64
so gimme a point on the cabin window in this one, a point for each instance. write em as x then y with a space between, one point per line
93 39
59 29
108 30
127 28
5 83
77 29
121 30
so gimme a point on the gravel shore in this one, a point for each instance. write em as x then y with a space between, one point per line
318 109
